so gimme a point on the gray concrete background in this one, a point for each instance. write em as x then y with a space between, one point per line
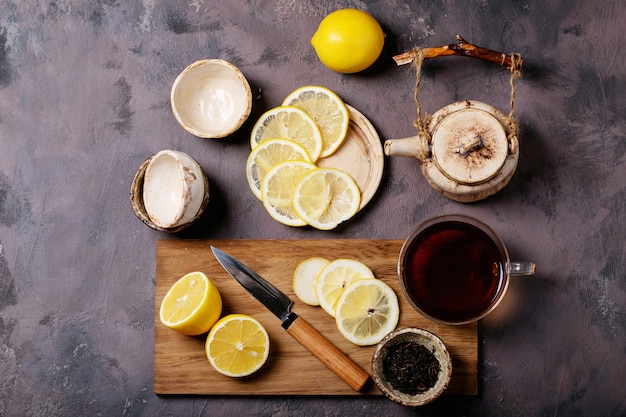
84 99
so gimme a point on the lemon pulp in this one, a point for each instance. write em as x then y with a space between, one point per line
277 190
192 305
326 197
292 123
238 345
305 277
335 277
367 311
267 155
327 110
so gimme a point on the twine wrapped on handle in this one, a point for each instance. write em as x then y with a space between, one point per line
516 72
461 48
420 123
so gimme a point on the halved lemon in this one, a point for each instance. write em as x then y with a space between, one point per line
367 311
268 154
335 277
277 190
238 345
326 197
292 123
192 305
304 278
327 110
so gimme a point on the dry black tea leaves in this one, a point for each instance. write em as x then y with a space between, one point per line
411 368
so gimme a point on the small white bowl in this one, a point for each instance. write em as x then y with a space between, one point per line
169 191
417 336
211 98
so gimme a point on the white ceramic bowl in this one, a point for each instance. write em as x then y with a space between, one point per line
418 336
169 191
211 98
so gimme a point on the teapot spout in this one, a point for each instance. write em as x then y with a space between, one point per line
412 146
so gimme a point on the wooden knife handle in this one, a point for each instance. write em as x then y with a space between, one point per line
328 353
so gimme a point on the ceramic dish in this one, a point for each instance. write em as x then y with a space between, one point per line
417 337
211 98
361 155
139 208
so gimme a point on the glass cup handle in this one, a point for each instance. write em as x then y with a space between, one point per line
520 268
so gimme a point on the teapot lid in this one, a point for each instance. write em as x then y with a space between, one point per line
469 145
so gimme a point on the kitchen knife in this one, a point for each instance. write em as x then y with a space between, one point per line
279 304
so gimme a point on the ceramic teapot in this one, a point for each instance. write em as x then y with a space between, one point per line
469 149
469 153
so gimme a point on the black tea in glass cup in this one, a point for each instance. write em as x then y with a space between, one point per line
454 269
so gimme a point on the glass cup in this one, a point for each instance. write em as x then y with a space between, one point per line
454 269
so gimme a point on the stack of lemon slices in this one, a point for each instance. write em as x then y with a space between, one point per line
287 141
365 308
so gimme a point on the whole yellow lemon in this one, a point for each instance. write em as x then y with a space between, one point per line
348 40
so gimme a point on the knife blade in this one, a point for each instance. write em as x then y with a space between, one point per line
280 305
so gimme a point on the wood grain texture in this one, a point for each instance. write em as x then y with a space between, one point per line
180 364
329 354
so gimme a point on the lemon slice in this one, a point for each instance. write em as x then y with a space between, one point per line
326 197
335 277
329 112
268 154
288 122
192 305
238 345
367 311
277 190
304 278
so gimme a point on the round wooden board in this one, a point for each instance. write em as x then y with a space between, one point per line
360 155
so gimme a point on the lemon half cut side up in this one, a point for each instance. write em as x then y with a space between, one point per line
237 345
192 305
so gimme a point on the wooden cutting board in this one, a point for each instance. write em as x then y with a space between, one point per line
180 364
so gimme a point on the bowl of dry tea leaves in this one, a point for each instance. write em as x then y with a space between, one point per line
411 366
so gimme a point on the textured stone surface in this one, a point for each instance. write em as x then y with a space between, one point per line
84 99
